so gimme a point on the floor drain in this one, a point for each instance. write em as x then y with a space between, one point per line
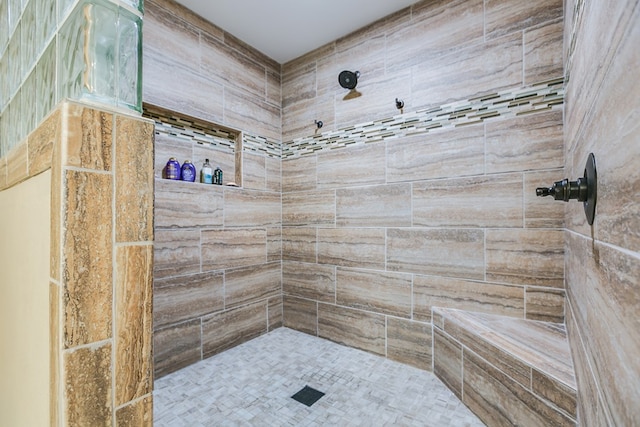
308 396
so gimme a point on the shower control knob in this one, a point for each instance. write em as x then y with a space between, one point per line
584 189
565 190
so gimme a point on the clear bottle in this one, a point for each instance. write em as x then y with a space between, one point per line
217 176
206 173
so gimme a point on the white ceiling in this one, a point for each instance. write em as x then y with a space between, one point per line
286 29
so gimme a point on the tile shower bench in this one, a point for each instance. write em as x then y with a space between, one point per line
508 371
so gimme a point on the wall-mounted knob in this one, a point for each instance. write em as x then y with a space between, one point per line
583 189
565 190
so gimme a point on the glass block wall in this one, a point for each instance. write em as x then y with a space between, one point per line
50 50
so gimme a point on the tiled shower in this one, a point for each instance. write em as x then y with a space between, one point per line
378 215
356 231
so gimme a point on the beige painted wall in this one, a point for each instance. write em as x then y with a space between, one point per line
24 302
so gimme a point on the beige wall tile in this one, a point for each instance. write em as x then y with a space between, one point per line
181 204
274 87
337 168
232 69
354 328
545 304
409 342
309 208
250 284
89 138
298 120
312 281
447 361
177 299
245 112
543 53
352 247
590 407
136 414
175 347
600 31
87 257
299 244
443 252
300 314
176 252
274 244
498 400
233 248
41 142
484 201
377 206
377 291
525 143
439 154
180 89
554 391
490 346
88 391
222 331
274 313
299 174
254 173
299 84
134 180
542 212
436 28
273 168
475 70
525 257
134 323
168 30
247 208
435 291
602 283
503 18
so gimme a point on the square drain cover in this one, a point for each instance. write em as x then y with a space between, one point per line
308 395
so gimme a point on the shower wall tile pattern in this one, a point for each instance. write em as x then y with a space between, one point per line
388 215
510 103
603 260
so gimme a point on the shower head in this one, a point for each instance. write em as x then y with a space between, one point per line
348 79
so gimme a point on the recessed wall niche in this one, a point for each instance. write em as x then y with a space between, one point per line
196 139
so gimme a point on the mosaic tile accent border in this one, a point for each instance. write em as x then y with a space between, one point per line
504 104
203 132
262 145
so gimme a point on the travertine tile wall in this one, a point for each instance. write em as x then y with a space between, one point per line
603 260
101 261
195 68
375 234
217 270
217 275
101 281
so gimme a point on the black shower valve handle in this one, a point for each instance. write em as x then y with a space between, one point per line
565 190
584 189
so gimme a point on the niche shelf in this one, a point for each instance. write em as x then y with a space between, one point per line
207 134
